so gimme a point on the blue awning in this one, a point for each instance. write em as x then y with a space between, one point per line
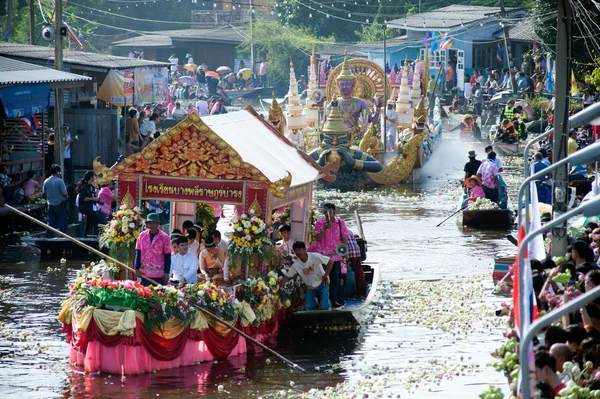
26 100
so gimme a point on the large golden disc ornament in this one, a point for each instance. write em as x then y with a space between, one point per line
368 81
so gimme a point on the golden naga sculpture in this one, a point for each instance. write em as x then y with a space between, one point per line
276 115
371 144
400 168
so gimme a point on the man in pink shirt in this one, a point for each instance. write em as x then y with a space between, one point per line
329 233
488 173
153 252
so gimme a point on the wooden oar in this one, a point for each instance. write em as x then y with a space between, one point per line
464 207
110 259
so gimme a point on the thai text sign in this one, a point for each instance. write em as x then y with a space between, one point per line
175 189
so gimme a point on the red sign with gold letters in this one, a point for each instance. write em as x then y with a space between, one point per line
180 189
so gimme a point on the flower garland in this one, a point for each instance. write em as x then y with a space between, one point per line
261 294
214 299
249 239
123 231
481 204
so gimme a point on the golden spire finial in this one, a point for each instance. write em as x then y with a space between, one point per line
345 74
420 113
335 122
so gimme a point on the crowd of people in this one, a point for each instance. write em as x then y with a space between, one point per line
199 253
575 339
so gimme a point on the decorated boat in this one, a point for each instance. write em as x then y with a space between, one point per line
355 310
120 326
351 133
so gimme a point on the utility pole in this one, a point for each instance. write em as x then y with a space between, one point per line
31 22
251 35
9 15
58 92
385 94
561 128
513 81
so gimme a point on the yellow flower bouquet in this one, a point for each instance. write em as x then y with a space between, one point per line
123 230
249 239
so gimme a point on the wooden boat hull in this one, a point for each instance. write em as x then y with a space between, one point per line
352 314
508 149
493 219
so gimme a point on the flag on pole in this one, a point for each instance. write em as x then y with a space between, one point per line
73 37
574 87
447 42
536 247
500 55
434 42
528 294
31 124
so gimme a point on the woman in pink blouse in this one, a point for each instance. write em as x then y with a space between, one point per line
106 197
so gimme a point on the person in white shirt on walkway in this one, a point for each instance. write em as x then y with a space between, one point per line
184 265
309 266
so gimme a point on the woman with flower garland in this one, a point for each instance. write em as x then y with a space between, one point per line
309 266
153 252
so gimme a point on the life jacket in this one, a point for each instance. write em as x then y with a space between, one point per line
508 113
465 128
509 131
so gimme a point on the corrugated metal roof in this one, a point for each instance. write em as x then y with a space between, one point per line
14 72
524 32
223 34
27 51
446 18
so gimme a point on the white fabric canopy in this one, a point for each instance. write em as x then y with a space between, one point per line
261 147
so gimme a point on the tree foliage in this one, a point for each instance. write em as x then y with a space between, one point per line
583 51
279 43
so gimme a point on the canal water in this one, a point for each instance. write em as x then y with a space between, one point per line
430 333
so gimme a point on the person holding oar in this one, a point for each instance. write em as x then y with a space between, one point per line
153 252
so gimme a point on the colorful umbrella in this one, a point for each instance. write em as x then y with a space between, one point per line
191 67
245 73
223 69
187 80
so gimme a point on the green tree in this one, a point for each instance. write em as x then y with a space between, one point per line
279 43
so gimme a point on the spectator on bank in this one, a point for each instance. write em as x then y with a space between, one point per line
132 131
56 194
32 190
87 201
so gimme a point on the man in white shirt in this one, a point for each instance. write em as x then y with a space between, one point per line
309 266
193 245
390 125
220 241
178 112
202 106
285 245
148 128
184 265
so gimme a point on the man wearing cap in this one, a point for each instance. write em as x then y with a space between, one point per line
212 259
153 252
390 127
